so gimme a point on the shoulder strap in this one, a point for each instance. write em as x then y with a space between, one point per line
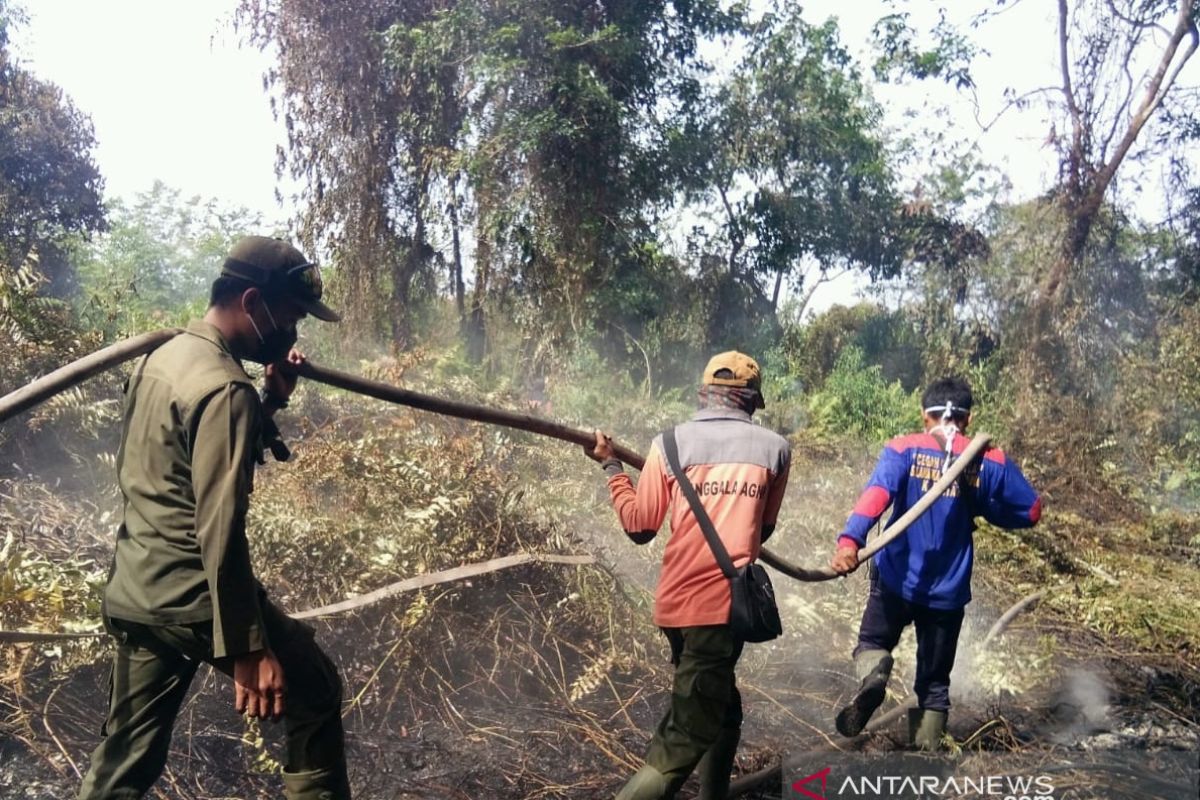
671 449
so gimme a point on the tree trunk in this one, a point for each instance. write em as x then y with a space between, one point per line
476 324
736 239
406 269
456 266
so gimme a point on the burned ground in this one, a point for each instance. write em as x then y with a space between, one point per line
543 681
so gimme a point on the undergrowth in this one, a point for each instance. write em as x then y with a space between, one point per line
376 494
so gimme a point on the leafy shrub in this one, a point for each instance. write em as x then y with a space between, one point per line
884 337
588 392
857 401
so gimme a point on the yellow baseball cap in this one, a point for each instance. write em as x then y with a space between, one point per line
744 372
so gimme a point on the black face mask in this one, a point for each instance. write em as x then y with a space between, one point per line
276 344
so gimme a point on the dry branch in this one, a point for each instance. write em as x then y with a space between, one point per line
392 589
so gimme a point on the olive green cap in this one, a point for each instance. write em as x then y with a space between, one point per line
278 267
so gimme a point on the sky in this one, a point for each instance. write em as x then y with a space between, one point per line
173 96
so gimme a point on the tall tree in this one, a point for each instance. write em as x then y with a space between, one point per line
340 105
534 120
1120 62
788 147
49 184
571 98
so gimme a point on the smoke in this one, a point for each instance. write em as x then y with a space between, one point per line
1082 706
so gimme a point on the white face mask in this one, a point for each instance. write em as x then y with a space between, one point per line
948 428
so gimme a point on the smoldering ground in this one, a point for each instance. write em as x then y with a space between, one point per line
542 681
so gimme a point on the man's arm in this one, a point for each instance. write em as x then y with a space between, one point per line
641 510
279 381
1009 500
775 498
882 487
222 479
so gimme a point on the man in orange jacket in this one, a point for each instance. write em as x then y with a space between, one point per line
740 472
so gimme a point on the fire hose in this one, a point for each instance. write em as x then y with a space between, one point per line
78 371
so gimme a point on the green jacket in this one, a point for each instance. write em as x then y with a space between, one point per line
192 434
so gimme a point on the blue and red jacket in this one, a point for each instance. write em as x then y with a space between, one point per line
930 564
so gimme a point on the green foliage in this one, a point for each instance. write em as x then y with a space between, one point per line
49 184
37 334
856 401
901 53
154 265
536 119
38 592
785 153
884 338
1158 404
50 570
590 393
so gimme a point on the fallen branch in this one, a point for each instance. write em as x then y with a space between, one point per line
1099 573
392 589
37 636
434 578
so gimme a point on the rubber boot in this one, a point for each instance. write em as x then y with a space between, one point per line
647 784
926 729
317 784
717 764
873 668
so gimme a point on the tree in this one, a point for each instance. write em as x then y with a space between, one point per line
49 184
536 121
788 149
1115 78
157 259
340 104
823 178
1079 265
572 101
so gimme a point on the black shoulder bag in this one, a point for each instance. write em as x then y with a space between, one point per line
753 615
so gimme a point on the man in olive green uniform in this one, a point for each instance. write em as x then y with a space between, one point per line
182 589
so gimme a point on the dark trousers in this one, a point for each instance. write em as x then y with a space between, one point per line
704 699
884 619
152 669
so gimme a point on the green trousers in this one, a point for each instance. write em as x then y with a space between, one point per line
704 700
152 669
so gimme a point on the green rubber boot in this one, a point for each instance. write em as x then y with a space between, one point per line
317 784
926 729
717 764
646 784
873 668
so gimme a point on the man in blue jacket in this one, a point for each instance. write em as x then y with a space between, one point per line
924 577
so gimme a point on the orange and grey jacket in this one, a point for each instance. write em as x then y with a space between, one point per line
740 472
